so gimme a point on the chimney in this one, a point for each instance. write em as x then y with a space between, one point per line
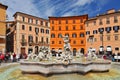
110 11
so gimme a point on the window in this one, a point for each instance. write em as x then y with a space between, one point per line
60 28
82 42
81 34
117 48
36 39
36 30
36 21
66 27
73 27
52 42
108 38
47 40
52 22
46 23
52 35
81 27
100 22
116 37
66 21
42 39
23 37
108 21
47 31
59 35
23 27
115 19
52 27
66 34
30 38
59 22
101 30
41 22
60 42
42 30
115 28
94 22
94 31
74 35
108 29
73 21
30 20
30 28
87 32
74 42
23 19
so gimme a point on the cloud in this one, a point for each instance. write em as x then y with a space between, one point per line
45 8
20 5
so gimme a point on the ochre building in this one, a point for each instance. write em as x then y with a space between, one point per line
103 32
72 26
27 33
3 9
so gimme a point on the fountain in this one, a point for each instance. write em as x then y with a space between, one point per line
45 64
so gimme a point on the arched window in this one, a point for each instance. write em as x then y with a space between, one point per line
52 35
59 35
66 34
82 35
74 35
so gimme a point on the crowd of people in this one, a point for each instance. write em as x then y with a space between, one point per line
11 57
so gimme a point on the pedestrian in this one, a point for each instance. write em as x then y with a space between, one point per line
18 57
11 57
14 57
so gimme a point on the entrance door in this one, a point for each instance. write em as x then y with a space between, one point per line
36 49
22 50
74 51
82 50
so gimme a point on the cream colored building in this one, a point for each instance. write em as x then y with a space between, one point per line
27 33
104 30
3 9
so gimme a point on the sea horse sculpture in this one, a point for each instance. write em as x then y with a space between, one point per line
67 54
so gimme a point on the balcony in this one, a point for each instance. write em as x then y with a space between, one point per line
43 43
23 42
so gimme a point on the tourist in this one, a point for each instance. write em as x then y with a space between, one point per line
18 57
2 57
14 57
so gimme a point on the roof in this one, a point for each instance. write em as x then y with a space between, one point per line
3 5
69 16
28 15
94 18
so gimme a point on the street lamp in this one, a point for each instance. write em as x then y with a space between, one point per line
101 32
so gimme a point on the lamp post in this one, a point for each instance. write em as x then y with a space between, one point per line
102 41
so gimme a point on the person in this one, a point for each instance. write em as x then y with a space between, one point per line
11 57
2 57
104 57
113 59
17 57
7 56
14 57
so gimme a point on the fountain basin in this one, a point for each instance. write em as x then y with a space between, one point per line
47 68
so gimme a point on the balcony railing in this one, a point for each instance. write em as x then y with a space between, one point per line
23 42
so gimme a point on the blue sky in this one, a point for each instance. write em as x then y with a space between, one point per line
45 8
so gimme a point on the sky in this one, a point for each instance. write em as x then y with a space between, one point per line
59 8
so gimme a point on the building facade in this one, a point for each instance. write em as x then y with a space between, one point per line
3 9
27 33
103 32
72 26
